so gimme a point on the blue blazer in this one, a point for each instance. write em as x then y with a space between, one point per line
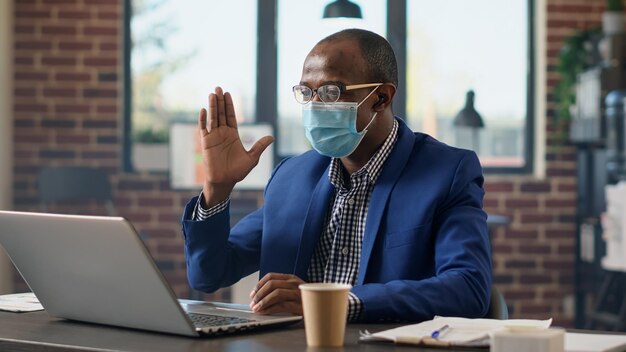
425 248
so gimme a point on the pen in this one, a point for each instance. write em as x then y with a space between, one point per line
439 332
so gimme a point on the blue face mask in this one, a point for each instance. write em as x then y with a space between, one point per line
331 127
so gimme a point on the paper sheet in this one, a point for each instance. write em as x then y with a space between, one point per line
576 342
20 302
462 331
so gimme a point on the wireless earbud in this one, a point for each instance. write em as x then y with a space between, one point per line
381 99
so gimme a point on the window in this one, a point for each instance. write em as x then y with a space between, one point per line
181 50
454 46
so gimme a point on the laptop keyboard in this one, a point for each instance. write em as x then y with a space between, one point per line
205 320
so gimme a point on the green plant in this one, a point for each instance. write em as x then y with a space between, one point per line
575 56
614 5
151 136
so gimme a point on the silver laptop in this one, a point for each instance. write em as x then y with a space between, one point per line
96 269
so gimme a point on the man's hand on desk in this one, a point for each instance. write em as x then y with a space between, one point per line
277 293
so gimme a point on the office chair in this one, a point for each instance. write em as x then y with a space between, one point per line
67 183
497 306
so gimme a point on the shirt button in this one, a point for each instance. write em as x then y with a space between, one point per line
351 201
345 250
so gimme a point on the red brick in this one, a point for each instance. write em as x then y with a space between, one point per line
25 92
137 217
58 30
156 202
536 218
75 46
30 76
22 14
560 203
24 29
107 109
566 187
108 46
553 264
100 31
522 234
74 15
514 203
71 108
99 93
555 234
58 61
136 185
566 249
502 248
535 279
535 187
32 45
498 187
57 2
109 15
72 76
99 154
59 92
24 61
520 264
100 61
30 107
159 233
519 294
534 249
73 139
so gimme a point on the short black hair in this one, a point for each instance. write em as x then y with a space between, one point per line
376 50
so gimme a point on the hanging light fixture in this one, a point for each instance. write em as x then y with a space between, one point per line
342 8
468 117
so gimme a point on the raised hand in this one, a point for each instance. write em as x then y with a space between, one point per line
225 160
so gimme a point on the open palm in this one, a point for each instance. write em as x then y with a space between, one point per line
225 160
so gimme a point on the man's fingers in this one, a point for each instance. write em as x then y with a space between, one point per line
277 297
231 117
212 111
275 285
221 107
202 122
292 307
259 147
270 276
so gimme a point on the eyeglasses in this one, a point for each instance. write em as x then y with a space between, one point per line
329 93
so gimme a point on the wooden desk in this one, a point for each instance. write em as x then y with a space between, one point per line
38 331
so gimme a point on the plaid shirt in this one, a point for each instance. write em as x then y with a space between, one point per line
338 253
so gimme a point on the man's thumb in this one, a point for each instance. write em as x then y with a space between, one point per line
259 147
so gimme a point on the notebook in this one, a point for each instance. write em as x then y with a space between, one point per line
458 331
96 269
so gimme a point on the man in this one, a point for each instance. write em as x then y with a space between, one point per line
396 214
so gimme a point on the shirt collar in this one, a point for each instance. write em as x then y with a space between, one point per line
371 170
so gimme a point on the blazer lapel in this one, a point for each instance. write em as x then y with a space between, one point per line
380 195
316 214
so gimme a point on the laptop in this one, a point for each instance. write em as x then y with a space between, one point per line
96 269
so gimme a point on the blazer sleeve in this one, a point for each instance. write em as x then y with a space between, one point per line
462 282
217 256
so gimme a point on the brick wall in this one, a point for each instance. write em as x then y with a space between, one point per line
68 111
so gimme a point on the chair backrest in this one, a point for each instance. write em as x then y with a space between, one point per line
67 183
497 305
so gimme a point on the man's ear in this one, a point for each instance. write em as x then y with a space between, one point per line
385 95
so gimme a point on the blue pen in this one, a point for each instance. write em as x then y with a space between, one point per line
439 332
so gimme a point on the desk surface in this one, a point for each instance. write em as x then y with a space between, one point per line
38 331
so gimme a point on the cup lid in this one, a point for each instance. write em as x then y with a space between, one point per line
320 286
